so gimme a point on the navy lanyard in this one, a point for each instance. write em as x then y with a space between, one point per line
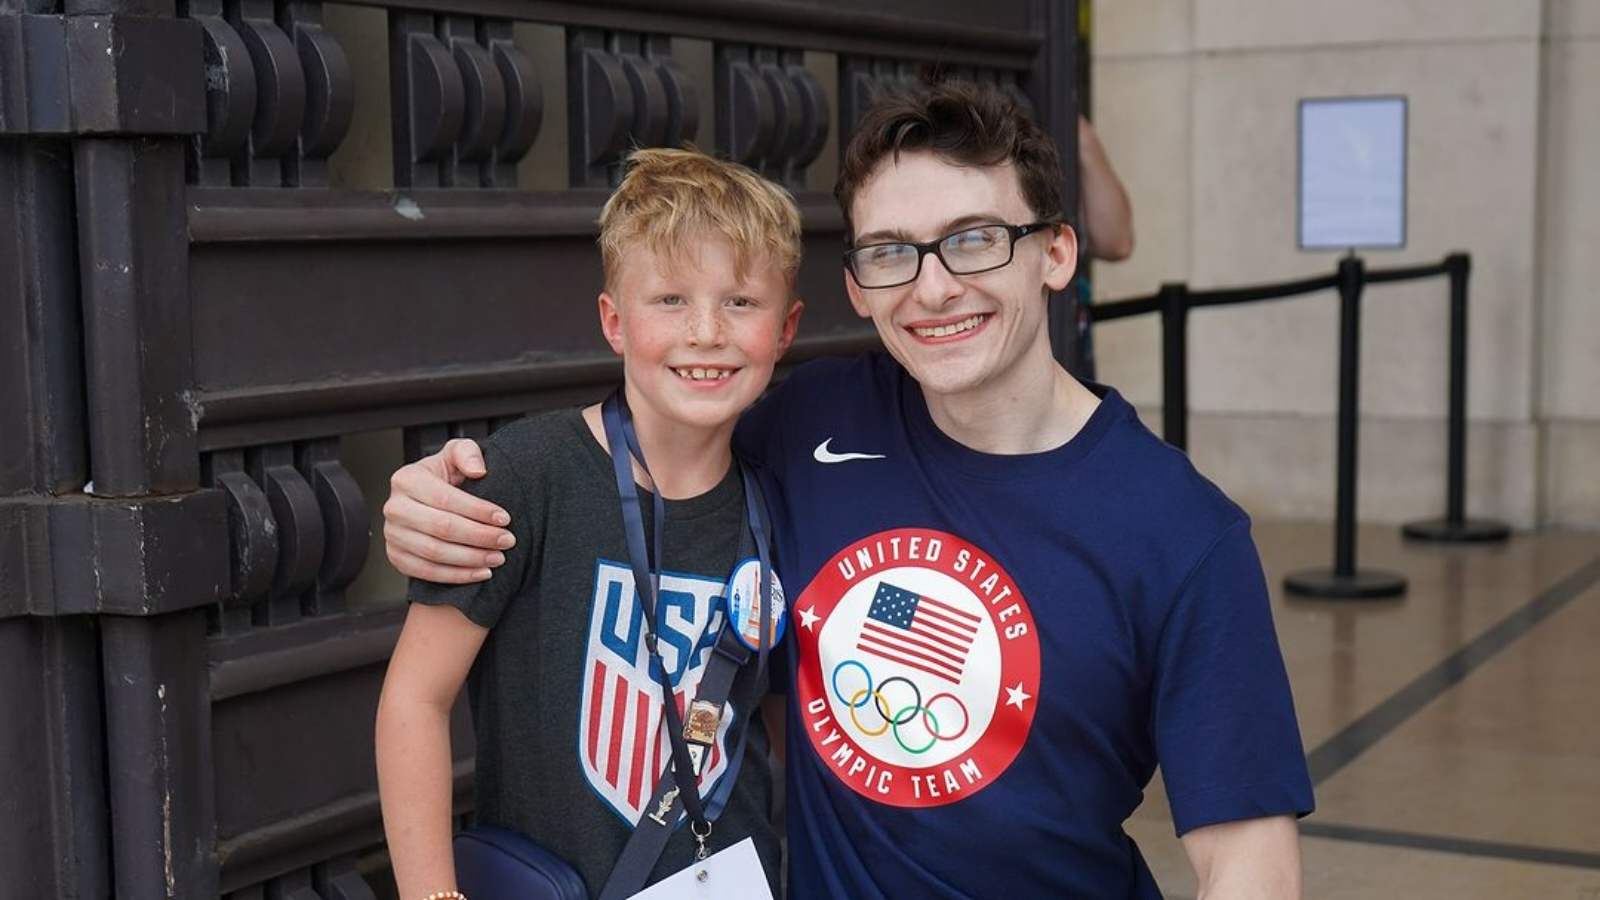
620 434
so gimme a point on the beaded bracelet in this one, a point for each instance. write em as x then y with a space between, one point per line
446 895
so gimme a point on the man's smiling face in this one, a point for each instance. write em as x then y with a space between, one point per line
957 333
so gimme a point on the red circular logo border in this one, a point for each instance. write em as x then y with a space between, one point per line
1008 730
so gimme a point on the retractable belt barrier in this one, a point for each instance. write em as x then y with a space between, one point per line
1342 580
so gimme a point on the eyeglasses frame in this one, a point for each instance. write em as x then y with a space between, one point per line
923 248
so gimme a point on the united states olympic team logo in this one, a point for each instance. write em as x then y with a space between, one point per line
919 667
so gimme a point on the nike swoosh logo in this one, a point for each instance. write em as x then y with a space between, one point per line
823 455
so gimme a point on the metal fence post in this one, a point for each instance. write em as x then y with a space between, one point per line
1175 364
1344 580
1455 527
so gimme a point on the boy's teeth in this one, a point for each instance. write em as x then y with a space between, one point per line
696 374
966 324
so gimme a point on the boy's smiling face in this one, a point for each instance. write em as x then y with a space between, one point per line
698 343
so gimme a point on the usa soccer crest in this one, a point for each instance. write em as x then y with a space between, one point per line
622 740
919 667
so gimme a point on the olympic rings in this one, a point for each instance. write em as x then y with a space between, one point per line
927 713
883 708
907 714
933 733
857 722
840 694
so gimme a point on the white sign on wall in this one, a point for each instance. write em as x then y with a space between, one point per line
1352 173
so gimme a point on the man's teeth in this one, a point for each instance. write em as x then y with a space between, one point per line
703 374
966 324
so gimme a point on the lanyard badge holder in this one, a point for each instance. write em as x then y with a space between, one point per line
690 740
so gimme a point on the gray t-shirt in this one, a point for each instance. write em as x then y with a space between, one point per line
568 721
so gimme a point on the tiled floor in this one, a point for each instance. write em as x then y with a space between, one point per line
1454 733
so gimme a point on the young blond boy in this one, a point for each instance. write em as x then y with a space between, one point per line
700 258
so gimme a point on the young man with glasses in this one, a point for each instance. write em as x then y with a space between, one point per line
1015 600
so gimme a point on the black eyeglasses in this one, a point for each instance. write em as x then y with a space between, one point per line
966 252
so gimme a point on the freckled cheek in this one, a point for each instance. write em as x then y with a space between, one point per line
762 351
650 347
759 341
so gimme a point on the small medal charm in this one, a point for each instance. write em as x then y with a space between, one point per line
700 725
667 799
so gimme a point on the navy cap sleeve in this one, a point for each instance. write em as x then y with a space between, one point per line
1223 717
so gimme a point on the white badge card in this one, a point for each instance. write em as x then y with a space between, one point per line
743 589
733 873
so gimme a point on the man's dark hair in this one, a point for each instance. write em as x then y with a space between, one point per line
964 122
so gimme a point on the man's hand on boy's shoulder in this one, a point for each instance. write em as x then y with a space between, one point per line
434 530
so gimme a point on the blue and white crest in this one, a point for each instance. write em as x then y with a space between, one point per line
622 743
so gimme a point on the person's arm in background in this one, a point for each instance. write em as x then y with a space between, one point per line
1108 216
1251 859
430 663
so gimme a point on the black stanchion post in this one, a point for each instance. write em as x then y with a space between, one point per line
1455 527
1344 580
1175 364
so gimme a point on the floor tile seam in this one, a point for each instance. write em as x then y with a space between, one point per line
1411 840
1354 739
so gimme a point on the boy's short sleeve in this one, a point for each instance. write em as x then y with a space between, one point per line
482 602
1226 736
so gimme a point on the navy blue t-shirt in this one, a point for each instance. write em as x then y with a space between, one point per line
993 653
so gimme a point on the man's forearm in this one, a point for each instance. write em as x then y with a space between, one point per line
1252 859
1258 880
414 786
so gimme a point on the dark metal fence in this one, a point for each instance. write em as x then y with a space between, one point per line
254 254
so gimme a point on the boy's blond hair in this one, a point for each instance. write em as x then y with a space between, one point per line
668 196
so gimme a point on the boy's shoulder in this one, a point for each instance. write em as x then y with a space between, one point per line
540 441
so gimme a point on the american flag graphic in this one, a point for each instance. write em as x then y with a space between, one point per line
625 741
918 631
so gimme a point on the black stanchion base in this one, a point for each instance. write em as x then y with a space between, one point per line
1465 531
1362 584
